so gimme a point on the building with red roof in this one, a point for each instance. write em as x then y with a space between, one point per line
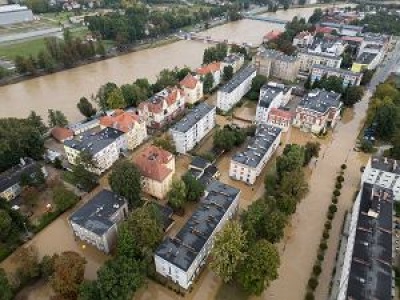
280 118
62 134
272 35
192 88
214 68
157 167
128 122
163 107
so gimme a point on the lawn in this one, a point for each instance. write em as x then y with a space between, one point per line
31 47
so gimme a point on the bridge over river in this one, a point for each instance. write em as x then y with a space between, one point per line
266 19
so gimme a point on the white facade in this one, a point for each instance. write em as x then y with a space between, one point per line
307 60
193 127
234 60
192 89
303 39
14 13
233 91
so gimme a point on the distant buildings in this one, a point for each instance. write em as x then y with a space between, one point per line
130 124
235 89
371 52
213 68
163 107
181 258
193 127
157 167
272 95
349 77
248 164
307 60
328 45
10 180
303 39
97 221
271 63
14 13
192 88
104 146
344 29
317 111
234 60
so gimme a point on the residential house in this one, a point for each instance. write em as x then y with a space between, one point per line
10 180
271 63
180 259
233 91
213 68
272 95
247 165
303 39
192 88
280 118
349 77
97 221
272 36
308 59
235 60
193 127
317 111
329 45
130 124
104 146
157 167
81 127
61 134
163 107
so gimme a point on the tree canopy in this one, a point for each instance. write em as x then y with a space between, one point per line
86 108
176 196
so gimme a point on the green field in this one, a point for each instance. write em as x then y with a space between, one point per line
32 47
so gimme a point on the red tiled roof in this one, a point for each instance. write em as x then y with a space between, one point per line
302 34
157 105
272 35
121 120
280 113
61 134
357 39
324 29
213 67
151 163
189 81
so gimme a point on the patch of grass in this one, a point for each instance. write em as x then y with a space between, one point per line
32 47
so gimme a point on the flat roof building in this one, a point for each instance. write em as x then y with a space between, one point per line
14 13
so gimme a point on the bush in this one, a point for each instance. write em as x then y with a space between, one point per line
338 185
336 193
332 208
309 296
325 234
340 178
317 270
343 167
328 225
320 257
330 216
313 283
334 200
323 246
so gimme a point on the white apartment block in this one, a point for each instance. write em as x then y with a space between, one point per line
272 95
181 258
248 164
236 88
234 60
193 127
104 146
349 77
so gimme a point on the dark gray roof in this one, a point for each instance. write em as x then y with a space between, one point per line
13 175
258 146
166 213
320 100
94 141
342 72
385 164
199 162
324 43
96 214
277 55
366 58
191 118
237 79
231 58
269 92
183 249
371 266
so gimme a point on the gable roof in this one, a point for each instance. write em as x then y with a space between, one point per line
60 134
189 81
121 120
210 68
155 103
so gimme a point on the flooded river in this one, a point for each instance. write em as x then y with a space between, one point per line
62 90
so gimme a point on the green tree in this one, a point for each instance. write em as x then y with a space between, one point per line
5 224
260 268
367 76
307 84
4 72
395 151
227 137
166 78
100 49
133 94
292 159
69 270
103 93
386 117
28 265
88 290
227 73
332 83
316 16
194 188
37 122
181 73
286 203
63 198
30 194
5 286
83 178
116 99
294 184
177 195
57 119
45 61
352 95
166 143
347 60
229 250
257 82
86 108
125 181
311 149
208 83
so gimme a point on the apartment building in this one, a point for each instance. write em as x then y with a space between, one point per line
10 180
272 95
157 167
213 68
317 111
308 60
272 63
163 107
235 60
344 29
181 258
236 88
97 221
280 118
328 45
104 146
247 165
192 88
303 39
349 77
193 127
